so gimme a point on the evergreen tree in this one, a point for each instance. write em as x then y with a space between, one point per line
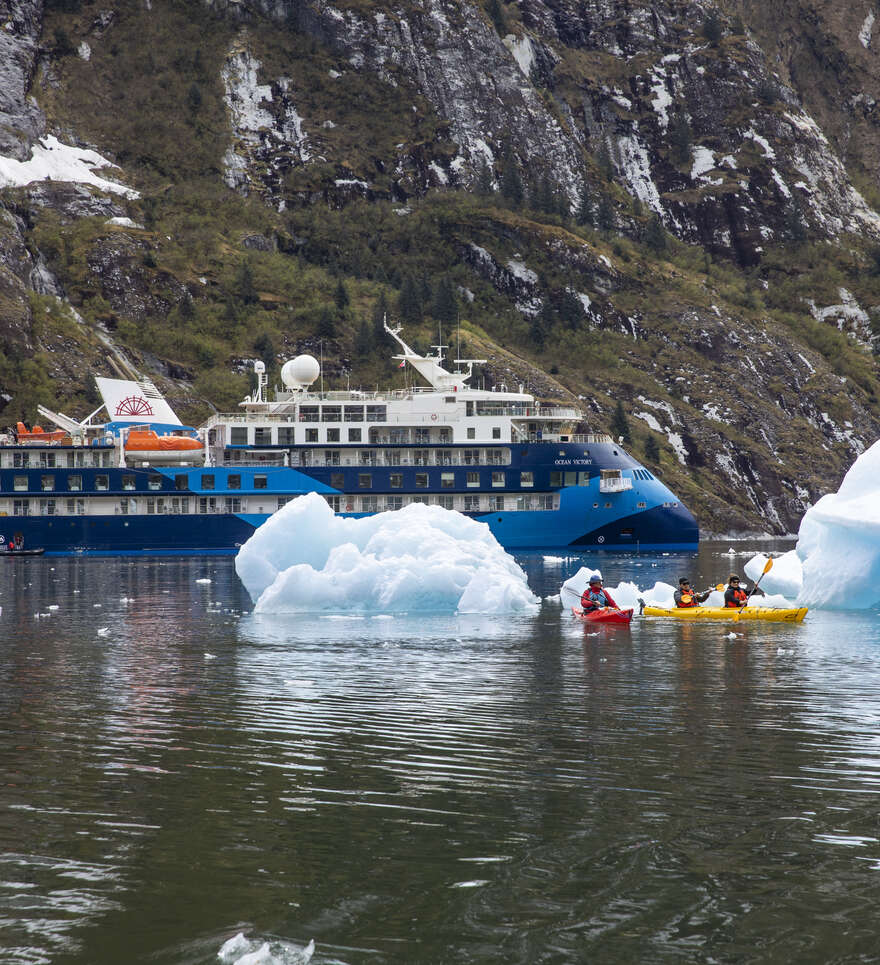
584 214
571 311
604 162
605 215
194 98
409 304
445 305
712 29
680 138
652 450
265 348
483 181
620 424
794 223
340 296
363 340
326 327
496 15
511 182
244 287
655 236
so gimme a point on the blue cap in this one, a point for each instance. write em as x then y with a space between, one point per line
595 578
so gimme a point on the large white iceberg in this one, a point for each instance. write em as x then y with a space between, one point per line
305 558
836 563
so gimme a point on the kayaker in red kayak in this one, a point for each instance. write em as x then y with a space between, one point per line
595 596
686 597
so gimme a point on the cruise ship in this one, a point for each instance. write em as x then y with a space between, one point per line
140 482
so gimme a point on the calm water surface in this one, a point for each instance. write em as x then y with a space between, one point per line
175 770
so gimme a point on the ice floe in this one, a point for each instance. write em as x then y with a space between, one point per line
836 563
244 951
305 559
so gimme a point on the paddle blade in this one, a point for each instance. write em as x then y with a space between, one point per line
768 566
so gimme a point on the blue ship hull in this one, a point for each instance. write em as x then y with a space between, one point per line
644 517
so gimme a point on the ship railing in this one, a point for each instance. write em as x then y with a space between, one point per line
591 438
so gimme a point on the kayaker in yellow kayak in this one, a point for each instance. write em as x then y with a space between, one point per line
686 597
736 596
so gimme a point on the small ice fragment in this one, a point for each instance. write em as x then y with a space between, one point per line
730 551
53 606
97 605
103 631
262 956
234 948
476 883
204 579
731 636
210 656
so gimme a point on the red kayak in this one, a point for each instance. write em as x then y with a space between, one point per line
608 614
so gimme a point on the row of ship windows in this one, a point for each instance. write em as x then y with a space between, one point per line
184 505
48 482
47 459
286 435
398 457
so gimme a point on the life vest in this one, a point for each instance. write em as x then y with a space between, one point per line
741 598
593 598
687 599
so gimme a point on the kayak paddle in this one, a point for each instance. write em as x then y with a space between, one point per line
767 567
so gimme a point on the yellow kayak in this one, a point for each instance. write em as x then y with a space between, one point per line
778 615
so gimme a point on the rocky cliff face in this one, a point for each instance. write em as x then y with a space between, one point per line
691 241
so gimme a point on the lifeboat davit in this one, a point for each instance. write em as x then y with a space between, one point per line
39 436
149 446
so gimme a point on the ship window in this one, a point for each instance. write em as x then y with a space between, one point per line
332 413
308 413
354 435
421 480
262 436
375 413
395 502
261 481
181 482
583 479
238 436
208 481
21 507
75 483
473 479
47 460
285 435
447 502
123 505
496 457
368 504
232 504
365 480
641 505
447 480
333 435
76 507
527 479
396 480
233 481
207 504
472 433
155 482
449 398
469 408
571 479
20 482
421 457
311 435
331 456
21 460
47 507
496 432
333 502
496 503
471 457
354 413
471 503
47 482
337 480
498 479
608 505
284 500
392 457
102 482
555 478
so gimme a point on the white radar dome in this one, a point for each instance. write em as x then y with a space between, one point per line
299 372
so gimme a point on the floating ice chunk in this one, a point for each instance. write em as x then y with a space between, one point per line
53 606
203 580
304 558
103 631
242 951
785 577
210 656
624 594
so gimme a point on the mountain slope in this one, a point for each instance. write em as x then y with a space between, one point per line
640 202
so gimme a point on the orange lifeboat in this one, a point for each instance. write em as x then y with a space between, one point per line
149 446
39 436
